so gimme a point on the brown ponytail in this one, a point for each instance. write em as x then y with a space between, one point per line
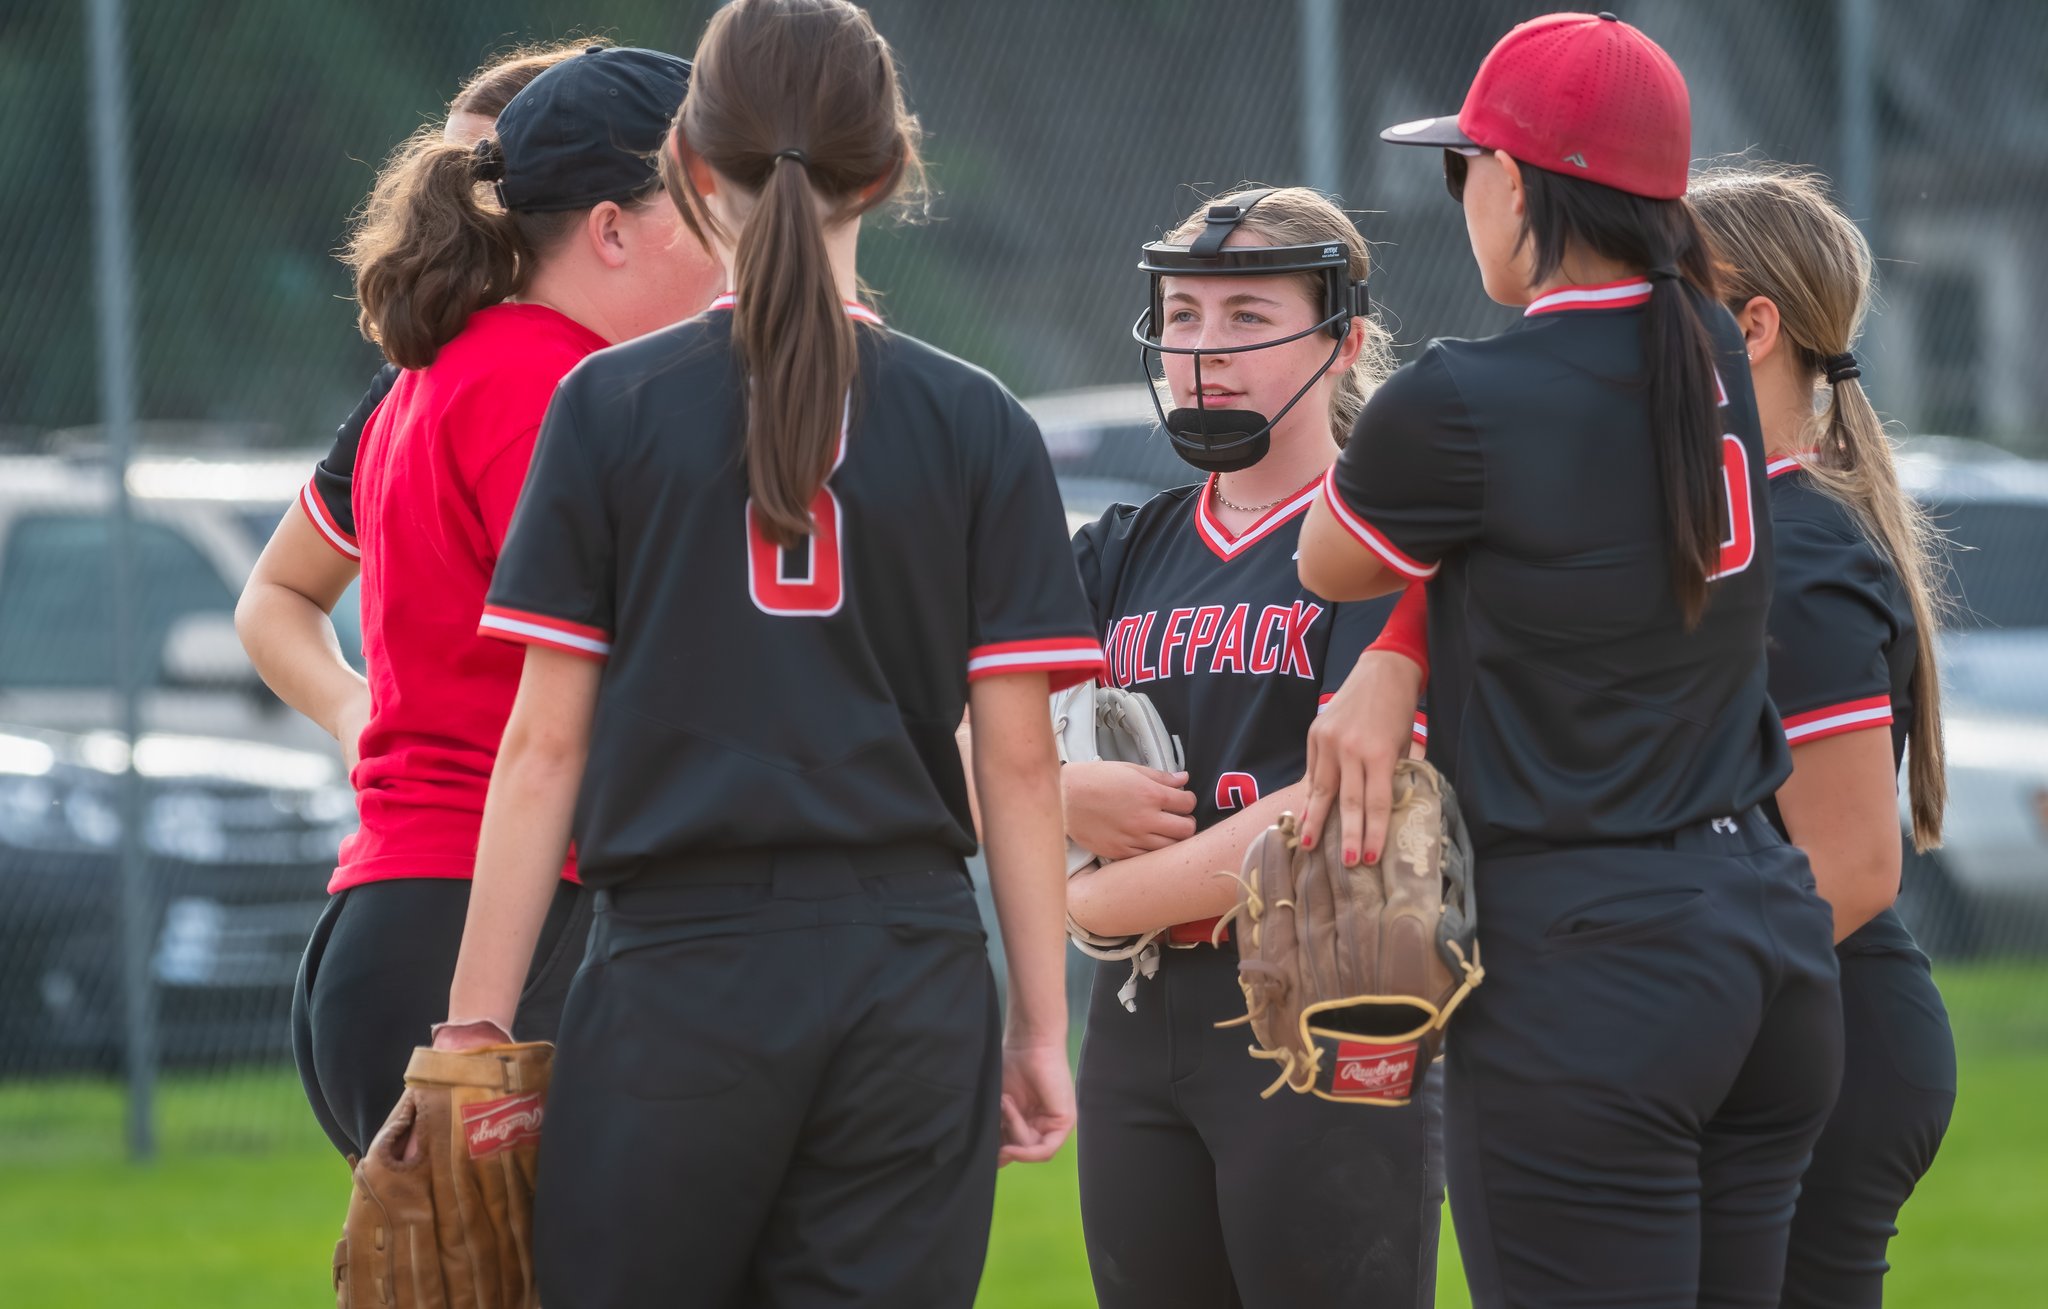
796 102
1782 238
428 251
1662 237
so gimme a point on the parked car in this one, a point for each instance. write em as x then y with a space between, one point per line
244 801
1106 446
1986 888
239 837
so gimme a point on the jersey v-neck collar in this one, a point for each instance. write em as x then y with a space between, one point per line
1226 546
1624 294
855 310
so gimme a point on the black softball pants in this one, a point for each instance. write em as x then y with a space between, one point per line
776 1087
1197 1194
1635 1090
1898 1090
375 978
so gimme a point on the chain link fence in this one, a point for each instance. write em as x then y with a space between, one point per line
1062 134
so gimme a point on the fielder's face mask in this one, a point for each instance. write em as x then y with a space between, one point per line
1228 440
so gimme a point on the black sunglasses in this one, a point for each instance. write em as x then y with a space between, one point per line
1455 165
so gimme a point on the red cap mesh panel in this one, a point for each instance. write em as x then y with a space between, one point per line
1586 97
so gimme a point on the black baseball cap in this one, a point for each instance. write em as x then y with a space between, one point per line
588 129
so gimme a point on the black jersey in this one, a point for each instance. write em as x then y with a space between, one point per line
327 496
1568 702
757 697
1218 632
1843 640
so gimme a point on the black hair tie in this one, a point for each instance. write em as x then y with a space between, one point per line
487 161
1663 273
1842 368
795 154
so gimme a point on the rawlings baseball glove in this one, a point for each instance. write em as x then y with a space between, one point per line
442 1213
1092 722
1350 974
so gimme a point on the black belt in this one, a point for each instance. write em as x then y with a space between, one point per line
792 872
1750 824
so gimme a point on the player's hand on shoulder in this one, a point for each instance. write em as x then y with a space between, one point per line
1352 748
1038 1103
1119 810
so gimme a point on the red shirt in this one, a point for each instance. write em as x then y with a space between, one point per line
438 474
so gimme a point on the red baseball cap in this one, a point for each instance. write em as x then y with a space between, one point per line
1583 95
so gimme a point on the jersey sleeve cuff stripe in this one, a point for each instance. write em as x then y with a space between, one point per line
1370 537
323 522
1854 716
1420 732
1068 655
539 629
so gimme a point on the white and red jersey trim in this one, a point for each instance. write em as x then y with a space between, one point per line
1368 535
323 521
1069 659
1420 732
1853 716
854 309
1607 295
1218 538
540 629
1790 463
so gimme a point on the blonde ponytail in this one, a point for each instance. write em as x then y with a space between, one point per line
1781 237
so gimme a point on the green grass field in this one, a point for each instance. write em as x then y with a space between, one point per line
243 1206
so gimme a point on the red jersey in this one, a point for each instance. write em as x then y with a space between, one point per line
439 471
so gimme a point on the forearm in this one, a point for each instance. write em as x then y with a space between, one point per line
291 643
519 856
1840 807
1018 782
1180 883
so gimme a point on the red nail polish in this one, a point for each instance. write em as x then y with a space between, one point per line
1350 856
1372 856
1308 840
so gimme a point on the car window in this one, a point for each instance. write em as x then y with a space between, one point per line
1995 552
1136 453
56 622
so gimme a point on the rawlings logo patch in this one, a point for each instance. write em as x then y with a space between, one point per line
1380 1072
495 1126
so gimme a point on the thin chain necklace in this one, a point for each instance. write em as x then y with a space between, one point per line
1216 489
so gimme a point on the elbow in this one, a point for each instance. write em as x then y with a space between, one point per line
542 751
249 608
1868 892
1317 577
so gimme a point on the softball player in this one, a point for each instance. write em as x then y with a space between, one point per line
1197 593
591 253
1852 651
764 562
320 531
1633 1094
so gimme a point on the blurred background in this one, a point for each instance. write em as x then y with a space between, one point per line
154 1148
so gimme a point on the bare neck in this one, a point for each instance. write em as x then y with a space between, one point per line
567 291
1583 268
1291 464
842 248
1784 405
